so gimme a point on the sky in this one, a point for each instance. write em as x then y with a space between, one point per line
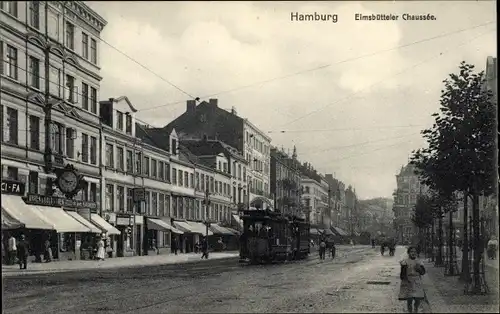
352 96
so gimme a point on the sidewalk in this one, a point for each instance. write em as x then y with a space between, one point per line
118 262
446 294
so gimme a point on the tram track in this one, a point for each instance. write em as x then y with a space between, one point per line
105 295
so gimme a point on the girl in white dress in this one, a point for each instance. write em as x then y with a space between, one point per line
100 249
411 288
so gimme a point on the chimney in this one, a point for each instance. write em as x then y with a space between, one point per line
233 111
213 102
191 106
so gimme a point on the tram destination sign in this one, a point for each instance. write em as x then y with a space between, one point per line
13 187
44 200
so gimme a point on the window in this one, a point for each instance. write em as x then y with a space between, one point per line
181 178
146 166
93 150
161 170
191 180
119 120
174 176
129 161
85 96
167 205
70 143
70 89
174 205
197 181
93 100
35 14
85 46
70 35
10 67
161 204
220 166
33 182
10 7
119 157
120 196
34 72
216 186
244 174
93 51
212 184
154 170
109 197
186 179
138 163
93 192
56 138
85 147
239 172
12 173
109 155
147 203
34 132
203 182
154 204
167 172
174 147
128 124
130 199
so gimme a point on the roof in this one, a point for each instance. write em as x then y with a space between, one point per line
211 147
153 136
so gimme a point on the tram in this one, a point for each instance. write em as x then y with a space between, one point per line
271 237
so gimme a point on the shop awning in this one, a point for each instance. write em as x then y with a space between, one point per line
328 232
236 232
28 215
172 228
62 221
320 231
84 222
200 228
184 226
8 222
104 225
216 229
238 221
340 231
160 225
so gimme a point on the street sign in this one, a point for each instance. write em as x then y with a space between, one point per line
139 194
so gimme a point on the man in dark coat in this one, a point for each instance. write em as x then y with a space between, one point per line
204 248
23 252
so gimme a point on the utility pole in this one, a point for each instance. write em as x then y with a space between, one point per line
206 202
48 106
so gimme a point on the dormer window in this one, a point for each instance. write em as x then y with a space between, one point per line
119 120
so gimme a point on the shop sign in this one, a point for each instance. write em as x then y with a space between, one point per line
53 201
13 187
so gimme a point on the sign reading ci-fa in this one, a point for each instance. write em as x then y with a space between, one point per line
13 187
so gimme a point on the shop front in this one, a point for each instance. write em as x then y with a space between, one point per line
189 238
224 238
70 229
159 233
125 240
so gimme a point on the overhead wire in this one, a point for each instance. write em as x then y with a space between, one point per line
326 65
383 80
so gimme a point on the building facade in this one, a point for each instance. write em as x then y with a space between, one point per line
286 182
50 77
207 120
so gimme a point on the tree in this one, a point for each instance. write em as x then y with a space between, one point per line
461 146
422 217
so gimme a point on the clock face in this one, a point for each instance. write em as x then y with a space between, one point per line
68 181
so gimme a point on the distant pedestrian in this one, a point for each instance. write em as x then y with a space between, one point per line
100 249
23 252
204 248
322 248
492 248
47 251
11 250
175 245
411 288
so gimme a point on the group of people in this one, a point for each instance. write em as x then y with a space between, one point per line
325 245
16 251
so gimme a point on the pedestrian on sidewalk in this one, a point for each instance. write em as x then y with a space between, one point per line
11 250
100 249
204 248
322 248
23 252
411 288
47 252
